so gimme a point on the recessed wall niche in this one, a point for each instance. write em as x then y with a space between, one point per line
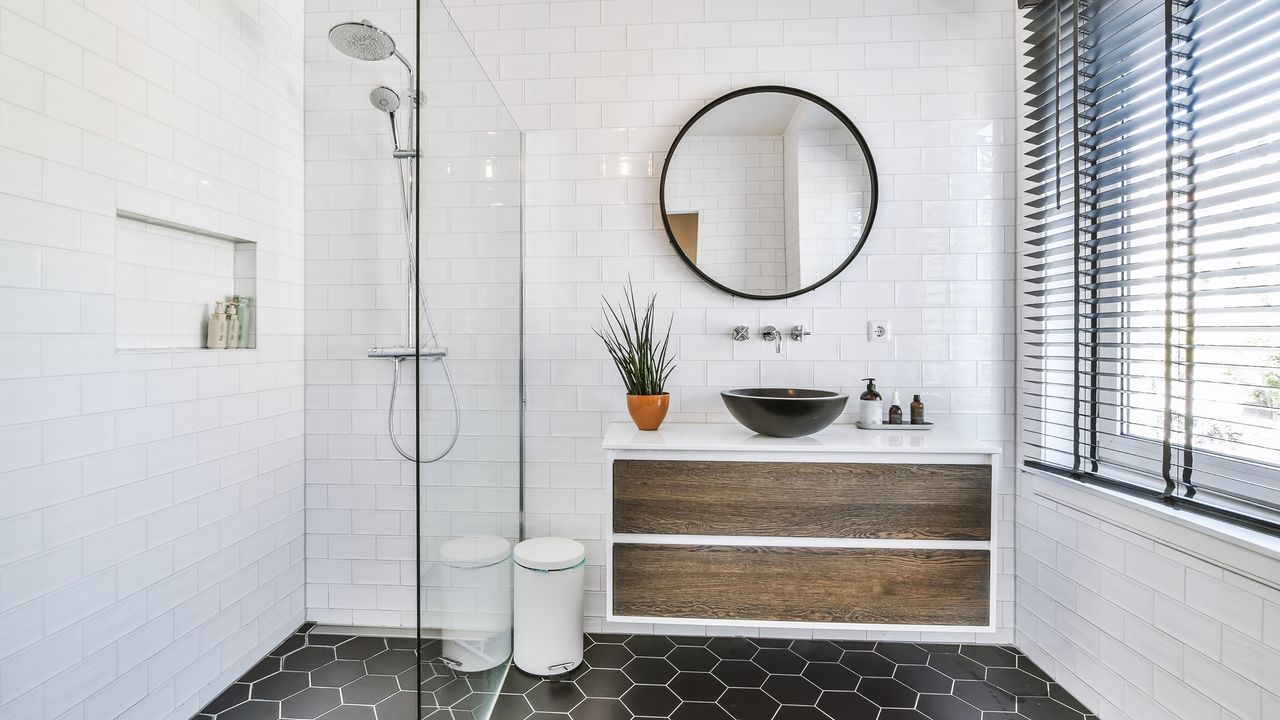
168 277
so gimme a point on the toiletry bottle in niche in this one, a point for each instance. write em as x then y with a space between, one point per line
244 303
870 404
216 338
233 325
917 411
895 410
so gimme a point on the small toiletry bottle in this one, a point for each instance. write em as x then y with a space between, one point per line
895 410
216 339
233 326
245 304
871 405
917 411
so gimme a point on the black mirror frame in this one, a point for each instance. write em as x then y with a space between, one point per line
862 143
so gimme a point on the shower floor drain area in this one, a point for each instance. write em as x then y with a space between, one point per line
699 678
353 677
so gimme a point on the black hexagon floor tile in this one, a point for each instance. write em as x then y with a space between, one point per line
779 661
748 704
689 640
816 650
554 696
361 648
868 664
390 662
350 712
650 700
369 690
676 677
1017 682
452 693
611 656
600 709
733 648
923 678
990 655
947 707
400 706
984 696
308 658
791 690
846 705
310 703
957 666
739 673
800 712
337 673
252 710
512 707
649 645
603 683
830 676
265 667
649 671
887 692
280 685
903 653
696 687
700 711
693 659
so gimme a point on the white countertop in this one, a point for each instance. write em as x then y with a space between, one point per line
728 437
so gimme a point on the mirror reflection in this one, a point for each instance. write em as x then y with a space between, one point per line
768 193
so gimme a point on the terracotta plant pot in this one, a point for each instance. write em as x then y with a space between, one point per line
648 411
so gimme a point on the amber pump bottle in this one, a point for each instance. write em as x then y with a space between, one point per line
870 404
917 411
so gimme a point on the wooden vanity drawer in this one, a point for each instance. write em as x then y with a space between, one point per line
802 584
828 500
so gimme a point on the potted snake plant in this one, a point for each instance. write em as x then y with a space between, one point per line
643 359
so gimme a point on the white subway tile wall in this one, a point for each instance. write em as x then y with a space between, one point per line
151 503
601 88
1142 618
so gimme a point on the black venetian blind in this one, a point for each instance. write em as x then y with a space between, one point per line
1153 268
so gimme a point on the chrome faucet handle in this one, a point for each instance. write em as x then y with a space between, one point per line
771 334
798 332
741 333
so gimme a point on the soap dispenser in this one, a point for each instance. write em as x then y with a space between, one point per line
870 405
216 338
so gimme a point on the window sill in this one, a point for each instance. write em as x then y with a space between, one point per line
1241 549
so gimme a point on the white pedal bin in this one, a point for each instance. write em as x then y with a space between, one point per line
548 615
478 636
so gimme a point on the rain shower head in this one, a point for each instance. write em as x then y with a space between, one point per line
384 99
362 40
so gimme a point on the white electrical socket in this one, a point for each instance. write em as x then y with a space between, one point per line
878 331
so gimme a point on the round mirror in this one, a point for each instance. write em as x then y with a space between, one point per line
768 192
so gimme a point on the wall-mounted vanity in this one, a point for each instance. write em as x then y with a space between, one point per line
715 525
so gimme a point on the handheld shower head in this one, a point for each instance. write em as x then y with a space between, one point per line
362 40
384 99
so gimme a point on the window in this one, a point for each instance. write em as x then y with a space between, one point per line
1153 272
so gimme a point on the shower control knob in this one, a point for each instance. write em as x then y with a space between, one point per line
741 333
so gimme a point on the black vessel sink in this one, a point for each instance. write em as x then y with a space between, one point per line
784 412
